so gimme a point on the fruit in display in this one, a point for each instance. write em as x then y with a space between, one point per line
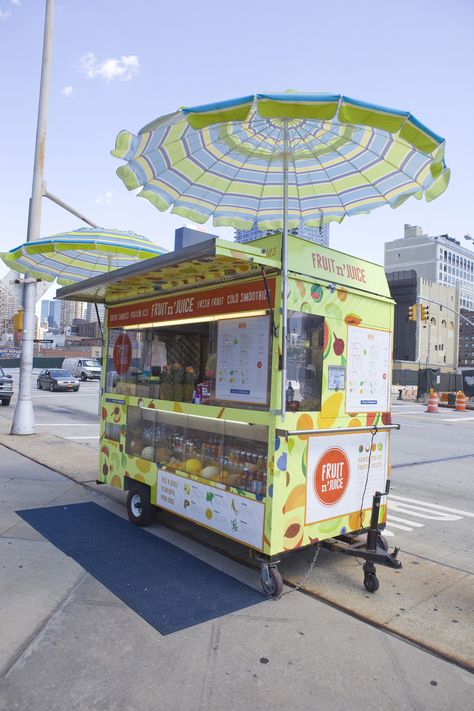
178 385
166 387
148 453
193 466
209 472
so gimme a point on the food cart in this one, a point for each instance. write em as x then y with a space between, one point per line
204 414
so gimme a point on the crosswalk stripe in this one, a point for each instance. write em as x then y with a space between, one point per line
433 506
417 511
398 525
398 519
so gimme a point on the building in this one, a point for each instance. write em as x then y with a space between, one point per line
9 305
313 234
190 234
69 311
439 259
466 339
432 343
90 313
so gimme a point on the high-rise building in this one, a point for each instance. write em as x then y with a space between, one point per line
313 234
90 313
8 306
69 311
440 259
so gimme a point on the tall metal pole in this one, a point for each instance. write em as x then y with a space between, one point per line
284 267
23 419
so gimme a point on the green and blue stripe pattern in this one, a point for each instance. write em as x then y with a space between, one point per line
80 254
225 160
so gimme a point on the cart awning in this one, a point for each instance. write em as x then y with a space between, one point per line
212 262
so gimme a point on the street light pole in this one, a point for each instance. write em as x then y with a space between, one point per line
23 418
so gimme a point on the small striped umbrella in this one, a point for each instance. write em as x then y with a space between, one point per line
86 252
230 160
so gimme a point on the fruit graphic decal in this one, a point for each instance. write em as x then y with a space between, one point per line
316 292
338 345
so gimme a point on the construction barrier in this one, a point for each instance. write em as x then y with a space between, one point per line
432 402
460 405
405 392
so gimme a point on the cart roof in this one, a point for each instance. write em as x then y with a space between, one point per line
218 261
211 262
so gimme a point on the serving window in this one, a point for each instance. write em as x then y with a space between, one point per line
225 362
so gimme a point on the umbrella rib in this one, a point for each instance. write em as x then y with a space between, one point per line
380 158
218 176
303 138
361 171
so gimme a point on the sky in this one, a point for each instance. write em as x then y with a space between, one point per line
119 64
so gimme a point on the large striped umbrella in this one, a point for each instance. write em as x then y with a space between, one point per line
230 160
279 159
86 252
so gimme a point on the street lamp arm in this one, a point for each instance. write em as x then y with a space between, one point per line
67 207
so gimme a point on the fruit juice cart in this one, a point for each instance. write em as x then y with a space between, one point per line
205 414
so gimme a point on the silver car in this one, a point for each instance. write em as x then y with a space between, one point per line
57 379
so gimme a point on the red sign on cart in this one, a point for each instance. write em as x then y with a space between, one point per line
229 299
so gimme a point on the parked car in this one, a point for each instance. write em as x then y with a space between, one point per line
83 368
57 379
6 387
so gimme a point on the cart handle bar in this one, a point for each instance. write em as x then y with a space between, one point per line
340 430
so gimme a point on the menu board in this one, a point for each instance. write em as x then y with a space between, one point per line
242 360
337 469
235 516
369 357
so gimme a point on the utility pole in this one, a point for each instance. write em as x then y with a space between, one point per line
23 418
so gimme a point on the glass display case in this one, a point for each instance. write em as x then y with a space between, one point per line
227 453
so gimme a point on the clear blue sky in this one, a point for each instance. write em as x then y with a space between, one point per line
121 63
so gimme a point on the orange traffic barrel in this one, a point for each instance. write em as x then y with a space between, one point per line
460 401
432 402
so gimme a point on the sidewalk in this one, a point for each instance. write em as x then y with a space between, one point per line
67 642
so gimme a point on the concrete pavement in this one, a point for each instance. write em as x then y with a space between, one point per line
67 642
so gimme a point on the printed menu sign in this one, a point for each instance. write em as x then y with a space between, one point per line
337 468
242 360
368 370
234 516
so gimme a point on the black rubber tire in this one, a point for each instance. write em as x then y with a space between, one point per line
38 385
76 389
6 402
83 377
275 588
139 508
51 388
371 582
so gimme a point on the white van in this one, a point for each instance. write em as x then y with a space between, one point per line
83 368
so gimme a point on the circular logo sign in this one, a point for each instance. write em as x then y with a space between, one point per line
122 356
331 476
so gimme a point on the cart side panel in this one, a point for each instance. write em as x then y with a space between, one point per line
291 525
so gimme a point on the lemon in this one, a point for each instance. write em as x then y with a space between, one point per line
193 466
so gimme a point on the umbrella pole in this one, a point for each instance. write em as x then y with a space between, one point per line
284 268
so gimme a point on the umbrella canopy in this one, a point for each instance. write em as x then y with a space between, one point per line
80 254
230 160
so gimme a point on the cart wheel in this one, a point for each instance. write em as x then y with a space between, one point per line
272 582
371 582
139 508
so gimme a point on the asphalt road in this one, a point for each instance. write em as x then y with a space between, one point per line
431 505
